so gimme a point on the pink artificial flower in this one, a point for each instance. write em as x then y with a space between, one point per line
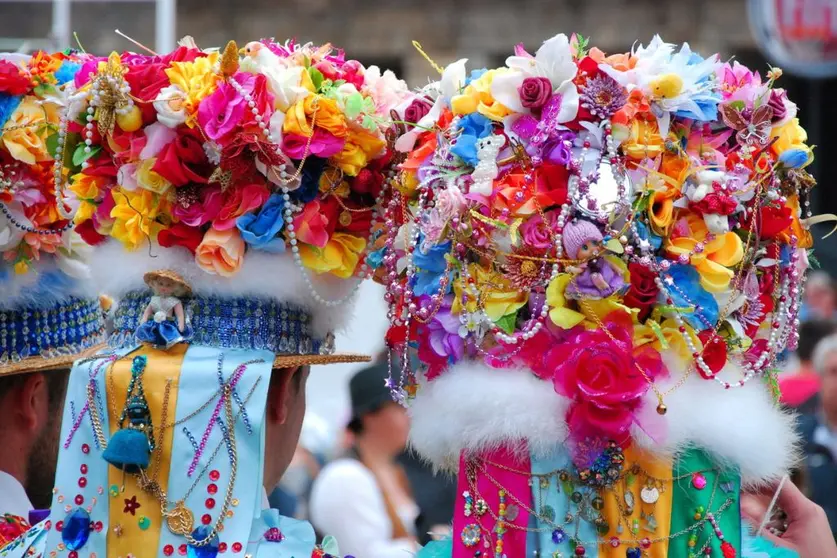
312 225
157 137
538 234
739 83
323 145
221 112
202 211
605 378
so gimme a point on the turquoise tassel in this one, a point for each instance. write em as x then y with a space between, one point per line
437 549
128 450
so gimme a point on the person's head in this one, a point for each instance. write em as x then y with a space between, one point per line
820 295
377 420
825 363
811 332
284 415
32 405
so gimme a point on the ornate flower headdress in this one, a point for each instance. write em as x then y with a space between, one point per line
598 250
49 313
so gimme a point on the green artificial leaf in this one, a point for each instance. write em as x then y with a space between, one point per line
79 156
354 105
369 123
317 78
507 323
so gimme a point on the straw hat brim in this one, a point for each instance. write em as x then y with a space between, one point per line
171 276
41 364
291 361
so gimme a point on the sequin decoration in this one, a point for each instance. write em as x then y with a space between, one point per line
470 535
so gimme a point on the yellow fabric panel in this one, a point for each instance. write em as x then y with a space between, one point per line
162 366
658 471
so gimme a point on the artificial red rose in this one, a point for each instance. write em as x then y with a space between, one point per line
714 353
12 79
88 233
417 110
238 200
535 92
551 183
181 235
353 73
356 222
643 291
715 203
605 378
183 160
774 221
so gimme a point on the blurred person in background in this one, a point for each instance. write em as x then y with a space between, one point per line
820 297
364 499
800 386
435 495
819 432
293 492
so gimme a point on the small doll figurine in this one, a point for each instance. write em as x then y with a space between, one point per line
163 324
488 148
595 277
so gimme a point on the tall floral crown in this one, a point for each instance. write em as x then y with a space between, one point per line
631 231
250 173
48 310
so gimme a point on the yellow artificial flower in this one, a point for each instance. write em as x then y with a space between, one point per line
669 331
329 183
315 110
560 314
359 148
85 211
197 79
339 257
87 187
713 263
150 180
792 136
643 140
135 216
477 98
497 295
26 131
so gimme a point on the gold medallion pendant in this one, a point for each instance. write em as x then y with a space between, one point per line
180 519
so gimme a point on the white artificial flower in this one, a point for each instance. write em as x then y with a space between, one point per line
170 107
285 84
554 61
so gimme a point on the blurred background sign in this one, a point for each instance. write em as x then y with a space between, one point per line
800 36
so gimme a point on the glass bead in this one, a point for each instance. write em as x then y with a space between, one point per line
76 529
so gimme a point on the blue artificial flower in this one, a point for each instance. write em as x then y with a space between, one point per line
686 291
310 179
646 234
259 231
430 267
8 105
67 72
475 75
473 127
794 158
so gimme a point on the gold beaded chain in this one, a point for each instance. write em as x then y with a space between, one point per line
180 519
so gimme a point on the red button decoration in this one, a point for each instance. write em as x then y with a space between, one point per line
214 475
181 550
210 503
699 481
206 519
645 543
82 482
83 469
212 488
59 526
85 449
79 499
99 526
222 547
614 542
72 554
168 550
236 547
579 551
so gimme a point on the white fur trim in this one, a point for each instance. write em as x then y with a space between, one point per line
35 288
116 272
475 407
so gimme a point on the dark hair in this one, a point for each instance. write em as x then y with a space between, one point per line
56 381
811 333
